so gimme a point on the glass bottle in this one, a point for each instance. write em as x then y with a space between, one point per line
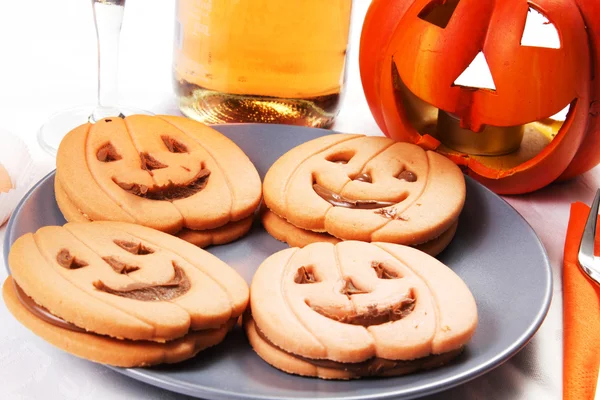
270 61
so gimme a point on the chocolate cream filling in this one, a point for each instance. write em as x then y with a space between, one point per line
175 287
171 191
375 365
45 315
372 315
338 200
42 313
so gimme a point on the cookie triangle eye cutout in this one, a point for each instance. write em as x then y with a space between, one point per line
108 153
173 145
65 259
439 12
477 75
539 31
134 248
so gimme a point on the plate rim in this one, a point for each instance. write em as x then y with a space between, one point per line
177 386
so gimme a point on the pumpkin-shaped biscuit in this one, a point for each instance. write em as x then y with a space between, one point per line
163 172
356 309
126 281
364 188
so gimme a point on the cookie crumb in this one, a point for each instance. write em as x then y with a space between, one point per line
391 213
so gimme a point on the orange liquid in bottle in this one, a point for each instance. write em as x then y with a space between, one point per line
279 61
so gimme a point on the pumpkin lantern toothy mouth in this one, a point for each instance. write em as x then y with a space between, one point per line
493 146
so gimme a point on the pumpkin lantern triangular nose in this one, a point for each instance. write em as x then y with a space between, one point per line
477 75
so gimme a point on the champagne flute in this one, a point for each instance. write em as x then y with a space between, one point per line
108 18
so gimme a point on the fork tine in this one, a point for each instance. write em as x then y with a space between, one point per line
586 248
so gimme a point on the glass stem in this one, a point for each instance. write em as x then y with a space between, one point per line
108 18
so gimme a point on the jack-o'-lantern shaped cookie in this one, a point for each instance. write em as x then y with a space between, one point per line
122 294
354 187
168 173
358 309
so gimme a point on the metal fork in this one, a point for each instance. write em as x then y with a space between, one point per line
589 263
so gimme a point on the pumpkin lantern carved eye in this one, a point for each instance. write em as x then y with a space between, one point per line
503 86
439 12
539 31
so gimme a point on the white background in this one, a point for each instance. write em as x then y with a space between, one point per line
48 63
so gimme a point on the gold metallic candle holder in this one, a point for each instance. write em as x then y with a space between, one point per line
491 141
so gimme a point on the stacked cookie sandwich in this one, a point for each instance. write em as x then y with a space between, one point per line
122 294
168 173
358 309
354 187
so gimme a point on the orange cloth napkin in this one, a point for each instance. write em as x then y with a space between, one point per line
581 315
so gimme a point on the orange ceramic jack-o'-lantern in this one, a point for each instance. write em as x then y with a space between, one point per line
415 55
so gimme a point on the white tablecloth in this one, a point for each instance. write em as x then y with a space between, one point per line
48 63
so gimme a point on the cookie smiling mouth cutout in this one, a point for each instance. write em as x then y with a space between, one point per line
171 191
339 200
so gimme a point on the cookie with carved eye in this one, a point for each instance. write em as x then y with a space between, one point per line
366 188
165 172
358 309
282 230
121 293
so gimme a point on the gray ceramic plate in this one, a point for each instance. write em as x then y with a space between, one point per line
495 252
